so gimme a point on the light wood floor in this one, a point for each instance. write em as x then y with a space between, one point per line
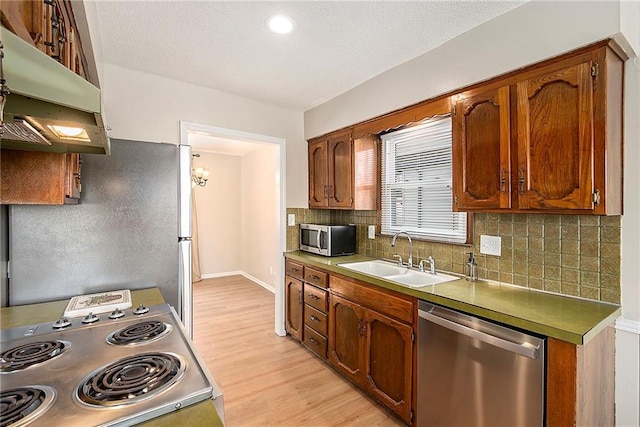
269 380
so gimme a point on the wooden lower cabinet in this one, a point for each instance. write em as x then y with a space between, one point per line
294 307
580 381
374 351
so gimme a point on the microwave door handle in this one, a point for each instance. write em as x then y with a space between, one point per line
318 238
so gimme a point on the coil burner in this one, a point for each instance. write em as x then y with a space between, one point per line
131 379
139 333
23 356
20 406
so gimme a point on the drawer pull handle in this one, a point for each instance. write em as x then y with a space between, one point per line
313 296
314 341
314 318
314 277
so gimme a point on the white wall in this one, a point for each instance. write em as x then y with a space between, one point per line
530 33
146 107
261 225
527 34
218 207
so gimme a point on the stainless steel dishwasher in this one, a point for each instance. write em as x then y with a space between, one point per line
475 373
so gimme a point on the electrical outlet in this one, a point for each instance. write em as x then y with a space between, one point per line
291 219
490 245
372 231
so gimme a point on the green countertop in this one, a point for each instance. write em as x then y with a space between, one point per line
566 318
201 414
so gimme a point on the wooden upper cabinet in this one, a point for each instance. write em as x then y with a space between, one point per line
318 175
555 139
544 139
343 172
481 147
50 26
39 178
340 159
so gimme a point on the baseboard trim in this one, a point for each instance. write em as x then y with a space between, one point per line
627 325
241 273
216 275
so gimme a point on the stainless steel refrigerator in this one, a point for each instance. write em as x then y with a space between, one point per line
131 230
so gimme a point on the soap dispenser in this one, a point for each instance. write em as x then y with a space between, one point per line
471 269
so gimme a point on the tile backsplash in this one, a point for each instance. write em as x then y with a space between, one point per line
576 255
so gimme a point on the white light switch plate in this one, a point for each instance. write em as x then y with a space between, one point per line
490 245
291 219
372 231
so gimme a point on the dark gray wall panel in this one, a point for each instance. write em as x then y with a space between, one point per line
122 235
4 255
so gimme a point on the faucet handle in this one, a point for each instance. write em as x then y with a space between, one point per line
421 265
399 259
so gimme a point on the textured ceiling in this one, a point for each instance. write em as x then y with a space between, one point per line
335 46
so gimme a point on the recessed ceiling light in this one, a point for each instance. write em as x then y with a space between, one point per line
280 24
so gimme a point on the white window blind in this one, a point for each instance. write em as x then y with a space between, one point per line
416 183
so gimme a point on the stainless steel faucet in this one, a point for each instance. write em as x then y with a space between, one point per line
393 243
432 265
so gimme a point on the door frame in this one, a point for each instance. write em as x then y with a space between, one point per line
190 127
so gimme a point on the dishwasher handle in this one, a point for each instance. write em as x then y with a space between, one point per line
525 349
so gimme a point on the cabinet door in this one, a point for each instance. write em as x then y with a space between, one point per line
340 159
388 362
481 153
293 308
346 338
555 139
318 178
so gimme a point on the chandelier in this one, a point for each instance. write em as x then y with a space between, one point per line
199 176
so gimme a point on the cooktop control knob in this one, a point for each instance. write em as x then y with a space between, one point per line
116 314
90 318
62 322
141 309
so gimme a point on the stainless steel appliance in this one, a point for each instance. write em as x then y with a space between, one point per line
328 240
111 369
131 230
475 373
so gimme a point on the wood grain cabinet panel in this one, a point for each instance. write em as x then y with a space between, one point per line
294 269
555 139
343 172
389 366
372 349
293 307
318 175
547 138
580 381
346 346
51 27
316 277
39 178
481 144
315 297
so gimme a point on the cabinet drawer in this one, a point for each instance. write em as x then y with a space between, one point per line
315 297
315 319
316 277
376 299
315 342
294 270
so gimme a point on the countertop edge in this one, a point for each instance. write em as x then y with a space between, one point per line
538 327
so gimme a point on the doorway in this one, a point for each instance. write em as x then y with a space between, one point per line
241 215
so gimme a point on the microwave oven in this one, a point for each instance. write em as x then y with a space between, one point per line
328 240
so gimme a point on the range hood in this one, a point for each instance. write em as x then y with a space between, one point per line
46 100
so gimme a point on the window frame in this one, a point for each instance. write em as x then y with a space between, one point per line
420 237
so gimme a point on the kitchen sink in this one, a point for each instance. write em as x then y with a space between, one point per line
398 274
